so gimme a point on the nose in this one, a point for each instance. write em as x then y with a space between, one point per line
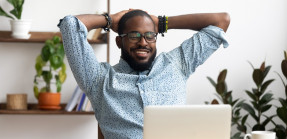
143 42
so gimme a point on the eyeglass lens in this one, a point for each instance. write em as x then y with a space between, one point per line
136 36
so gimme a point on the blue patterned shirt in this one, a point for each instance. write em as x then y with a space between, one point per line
118 93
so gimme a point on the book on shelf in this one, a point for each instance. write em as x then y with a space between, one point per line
74 99
89 107
79 101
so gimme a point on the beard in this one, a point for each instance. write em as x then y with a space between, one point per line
136 65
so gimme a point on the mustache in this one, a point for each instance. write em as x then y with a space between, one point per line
142 47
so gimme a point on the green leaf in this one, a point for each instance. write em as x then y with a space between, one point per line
280 78
267 120
251 95
3 13
63 68
236 136
239 104
280 132
267 69
284 68
61 50
18 7
234 102
52 49
266 98
38 67
241 128
56 61
36 92
251 64
282 114
62 76
56 39
250 110
257 93
222 76
265 108
283 102
220 87
40 60
258 77
255 105
262 67
265 85
45 54
212 82
244 119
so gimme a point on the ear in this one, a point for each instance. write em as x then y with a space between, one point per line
119 42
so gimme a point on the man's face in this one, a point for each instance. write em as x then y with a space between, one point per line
139 55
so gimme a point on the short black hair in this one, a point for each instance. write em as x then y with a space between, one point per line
128 15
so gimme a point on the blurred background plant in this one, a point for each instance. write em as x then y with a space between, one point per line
50 65
281 130
16 12
260 99
225 97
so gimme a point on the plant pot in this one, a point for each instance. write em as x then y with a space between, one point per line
49 101
20 29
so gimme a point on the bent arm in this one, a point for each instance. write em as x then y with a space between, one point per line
93 21
199 21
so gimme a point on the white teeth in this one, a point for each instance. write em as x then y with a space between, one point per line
141 52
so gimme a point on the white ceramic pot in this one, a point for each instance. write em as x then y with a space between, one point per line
20 28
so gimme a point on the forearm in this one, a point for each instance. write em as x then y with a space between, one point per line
92 21
199 21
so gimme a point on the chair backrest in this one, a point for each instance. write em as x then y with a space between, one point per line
100 134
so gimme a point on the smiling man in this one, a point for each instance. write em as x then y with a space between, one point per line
137 52
119 93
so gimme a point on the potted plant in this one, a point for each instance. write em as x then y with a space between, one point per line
51 71
260 99
225 97
20 28
281 130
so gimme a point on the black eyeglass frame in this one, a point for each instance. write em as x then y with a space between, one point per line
141 35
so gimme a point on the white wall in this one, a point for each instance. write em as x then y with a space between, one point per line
257 32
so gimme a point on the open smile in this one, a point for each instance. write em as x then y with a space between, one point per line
142 53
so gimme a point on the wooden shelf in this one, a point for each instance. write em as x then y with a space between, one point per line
41 37
33 110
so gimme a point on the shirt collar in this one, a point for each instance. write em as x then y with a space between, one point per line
124 67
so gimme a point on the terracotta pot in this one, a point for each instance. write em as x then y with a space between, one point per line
49 101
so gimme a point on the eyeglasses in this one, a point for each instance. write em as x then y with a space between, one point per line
135 37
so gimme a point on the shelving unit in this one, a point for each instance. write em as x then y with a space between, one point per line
33 110
41 37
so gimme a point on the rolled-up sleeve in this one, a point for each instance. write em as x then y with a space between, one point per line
195 50
80 54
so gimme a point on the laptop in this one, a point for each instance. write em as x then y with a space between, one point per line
187 122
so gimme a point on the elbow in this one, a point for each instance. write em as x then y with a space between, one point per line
224 21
